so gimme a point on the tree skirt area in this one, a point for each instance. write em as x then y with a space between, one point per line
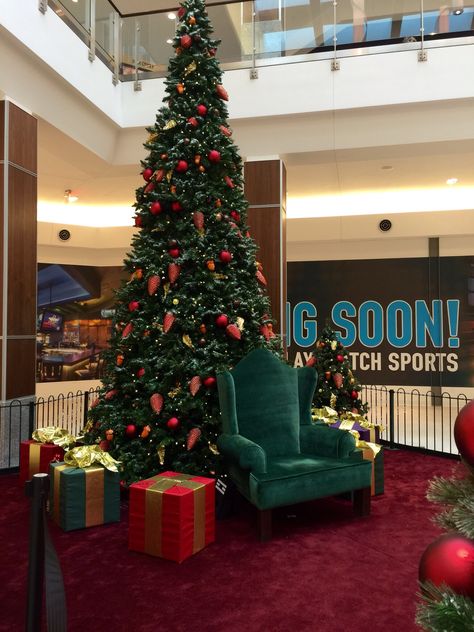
323 571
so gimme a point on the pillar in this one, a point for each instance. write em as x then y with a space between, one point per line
265 190
18 193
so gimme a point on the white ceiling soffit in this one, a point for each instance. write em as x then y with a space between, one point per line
135 7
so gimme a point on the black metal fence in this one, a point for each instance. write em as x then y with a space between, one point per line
19 418
421 420
414 419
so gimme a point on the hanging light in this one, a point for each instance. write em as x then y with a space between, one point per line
69 198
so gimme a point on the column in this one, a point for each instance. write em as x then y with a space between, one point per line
18 194
265 190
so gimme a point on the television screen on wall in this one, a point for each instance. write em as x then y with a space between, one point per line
51 321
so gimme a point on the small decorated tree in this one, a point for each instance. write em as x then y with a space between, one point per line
447 566
195 303
337 386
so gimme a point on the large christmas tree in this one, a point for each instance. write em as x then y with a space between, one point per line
337 386
195 302
446 569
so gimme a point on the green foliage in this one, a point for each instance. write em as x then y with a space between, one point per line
337 386
442 610
189 215
457 495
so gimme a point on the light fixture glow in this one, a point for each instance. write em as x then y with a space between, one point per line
451 181
171 16
84 215
169 41
69 198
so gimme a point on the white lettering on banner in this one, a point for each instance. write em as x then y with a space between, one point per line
374 361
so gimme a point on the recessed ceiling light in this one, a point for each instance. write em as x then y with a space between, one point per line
69 198
386 167
458 11
169 41
171 16
451 181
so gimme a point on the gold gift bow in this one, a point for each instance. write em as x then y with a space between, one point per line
329 416
326 414
154 504
86 455
51 434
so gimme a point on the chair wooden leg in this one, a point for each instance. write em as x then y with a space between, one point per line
362 501
265 524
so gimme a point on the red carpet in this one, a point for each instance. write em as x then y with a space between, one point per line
324 571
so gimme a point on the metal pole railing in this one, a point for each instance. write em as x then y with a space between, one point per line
391 419
117 22
422 55
137 86
253 70
92 31
335 62
37 489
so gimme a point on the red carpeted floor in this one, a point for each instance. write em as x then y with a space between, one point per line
324 571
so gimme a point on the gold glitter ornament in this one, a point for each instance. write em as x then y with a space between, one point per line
187 341
189 69
170 124
213 448
175 301
161 454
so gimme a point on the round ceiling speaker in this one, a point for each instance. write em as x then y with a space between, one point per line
385 225
64 234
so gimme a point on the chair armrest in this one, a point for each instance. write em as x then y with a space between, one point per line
324 441
243 452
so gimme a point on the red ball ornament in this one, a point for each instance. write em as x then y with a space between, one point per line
141 372
340 358
225 256
181 13
104 445
464 433
193 122
176 207
185 41
214 155
174 252
182 166
354 395
131 431
235 215
133 305
201 109
450 560
155 208
172 423
222 320
138 221
147 173
209 382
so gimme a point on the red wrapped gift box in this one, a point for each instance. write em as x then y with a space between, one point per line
172 515
35 457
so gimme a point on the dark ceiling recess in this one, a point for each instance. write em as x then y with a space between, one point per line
385 225
64 234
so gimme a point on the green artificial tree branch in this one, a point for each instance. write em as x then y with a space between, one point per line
442 610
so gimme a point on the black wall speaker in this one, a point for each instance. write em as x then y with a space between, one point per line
64 234
385 225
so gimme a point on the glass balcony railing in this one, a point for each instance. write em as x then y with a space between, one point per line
259 32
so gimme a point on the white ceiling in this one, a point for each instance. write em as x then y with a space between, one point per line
65 164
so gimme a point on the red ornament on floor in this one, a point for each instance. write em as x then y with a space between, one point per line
450 560
464 433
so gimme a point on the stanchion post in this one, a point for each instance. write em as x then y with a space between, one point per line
391 395
37 489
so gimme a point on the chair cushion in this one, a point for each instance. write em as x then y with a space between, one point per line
302 477
267 404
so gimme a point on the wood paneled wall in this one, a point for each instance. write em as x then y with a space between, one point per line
18 195
265 190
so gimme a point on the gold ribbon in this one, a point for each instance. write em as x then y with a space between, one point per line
369 452
34 459
94 493
326 414
51 434
154 505
362 421
57 492
86 455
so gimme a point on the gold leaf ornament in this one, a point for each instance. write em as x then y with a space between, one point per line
161 454
170 124
187 341
152 137
213 448
169 175
191 68
240 322
166 289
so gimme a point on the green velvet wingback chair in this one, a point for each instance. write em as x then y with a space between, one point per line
275 455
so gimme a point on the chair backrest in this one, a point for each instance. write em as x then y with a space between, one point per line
267 403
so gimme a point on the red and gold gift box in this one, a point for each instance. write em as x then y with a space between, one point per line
172 515
35 457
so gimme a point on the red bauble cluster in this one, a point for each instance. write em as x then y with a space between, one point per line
450 560
214 156
464 433
222 320
182 166
155 208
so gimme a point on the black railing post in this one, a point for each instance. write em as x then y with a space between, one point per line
86 408
391 420
31 418
38 489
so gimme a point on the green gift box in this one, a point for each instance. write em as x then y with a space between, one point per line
83 496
